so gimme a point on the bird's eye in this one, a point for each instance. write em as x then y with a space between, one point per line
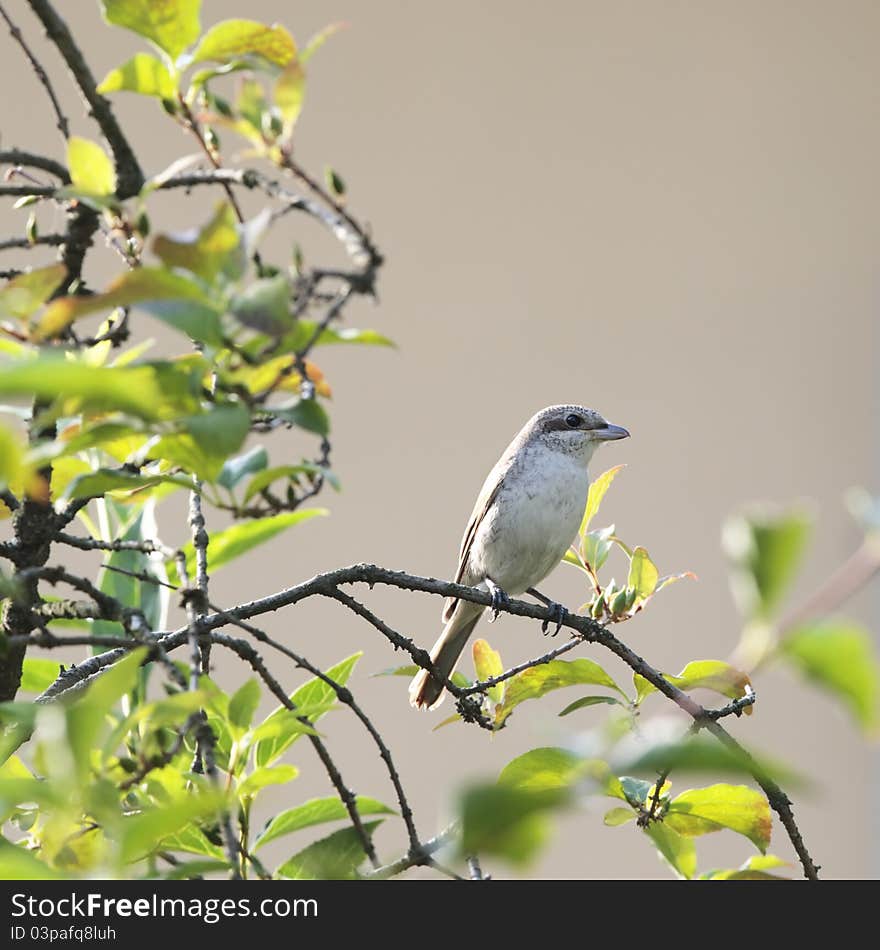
573 420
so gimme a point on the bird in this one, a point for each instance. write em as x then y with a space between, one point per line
526 515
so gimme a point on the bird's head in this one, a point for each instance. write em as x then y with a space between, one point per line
575 430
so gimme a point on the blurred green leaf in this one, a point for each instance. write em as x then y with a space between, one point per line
38 674
143 833
487 663
764 551
335 857
598 487
314 692
143 74
318 40
838 656
315 812
143 286
308 414
618 816
172 25
542 769
206 440
596 545
643 574
235 469
243 703
263 778
234 38
26 293
264 305
538 680
507 821
19 864
205 251
700 811
91 170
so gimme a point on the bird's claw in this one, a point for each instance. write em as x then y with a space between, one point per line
558 616
499 600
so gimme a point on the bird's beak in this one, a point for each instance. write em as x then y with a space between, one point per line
610 433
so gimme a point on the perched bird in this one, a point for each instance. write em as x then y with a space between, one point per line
526 516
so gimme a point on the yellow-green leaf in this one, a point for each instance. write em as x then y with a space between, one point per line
487 663
205 252
700 811
541 769
143 74
678 851
91 170
234 38
706 674
289 94
171 24
597 491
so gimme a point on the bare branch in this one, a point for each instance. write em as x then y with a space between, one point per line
19 157
61 118
128 171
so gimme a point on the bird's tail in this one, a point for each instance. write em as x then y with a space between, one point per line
424 690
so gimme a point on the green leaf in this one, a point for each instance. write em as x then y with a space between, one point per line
643 575
172 25
25 294
143 74
314 692
207 251
263 778
264 306
95 484
487 663
232 542
542 769
308 414
315 812
334 858
234 470
507 821
192 840
538 680
838 656
232 39
243 704
590 701
598 488
319 39
91 170
38 675
678 852
146 287
764 551
700 811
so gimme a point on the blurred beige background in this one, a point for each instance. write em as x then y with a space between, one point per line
668 211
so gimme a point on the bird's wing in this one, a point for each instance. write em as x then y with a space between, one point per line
487 496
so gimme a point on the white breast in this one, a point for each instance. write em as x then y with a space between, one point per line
533 521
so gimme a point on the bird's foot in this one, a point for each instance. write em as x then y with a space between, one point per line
558 616
499 600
